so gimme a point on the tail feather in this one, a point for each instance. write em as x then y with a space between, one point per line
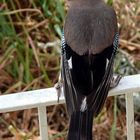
80 127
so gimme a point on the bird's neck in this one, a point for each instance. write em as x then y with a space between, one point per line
81 3
87 1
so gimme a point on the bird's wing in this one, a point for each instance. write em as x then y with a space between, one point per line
95 99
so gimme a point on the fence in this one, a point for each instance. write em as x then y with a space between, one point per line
46 97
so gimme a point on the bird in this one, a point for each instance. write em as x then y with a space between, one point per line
90 41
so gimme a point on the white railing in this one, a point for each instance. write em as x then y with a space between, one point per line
46 97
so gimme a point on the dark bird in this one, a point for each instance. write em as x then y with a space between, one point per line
89 45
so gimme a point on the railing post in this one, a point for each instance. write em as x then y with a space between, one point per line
130 116
43 126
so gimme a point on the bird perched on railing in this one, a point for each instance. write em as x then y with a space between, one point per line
89 45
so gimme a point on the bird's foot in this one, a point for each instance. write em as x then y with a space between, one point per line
58 87
115 81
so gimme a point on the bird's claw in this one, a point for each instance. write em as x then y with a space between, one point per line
115 81
58 87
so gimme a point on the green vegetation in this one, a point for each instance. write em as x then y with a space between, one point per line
26 30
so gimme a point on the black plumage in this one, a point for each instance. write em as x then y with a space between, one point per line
89 44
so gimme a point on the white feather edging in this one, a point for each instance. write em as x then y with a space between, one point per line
84 105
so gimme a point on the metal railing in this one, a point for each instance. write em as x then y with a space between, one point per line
45 97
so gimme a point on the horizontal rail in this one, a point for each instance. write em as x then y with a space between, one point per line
48 96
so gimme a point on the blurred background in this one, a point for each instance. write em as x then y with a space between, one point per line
30 36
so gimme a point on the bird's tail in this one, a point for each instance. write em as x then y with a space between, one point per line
80 127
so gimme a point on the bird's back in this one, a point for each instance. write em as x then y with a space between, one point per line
90 27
